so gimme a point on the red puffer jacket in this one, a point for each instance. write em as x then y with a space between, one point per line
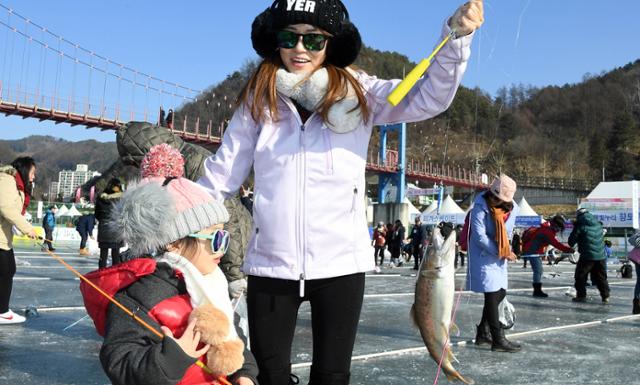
543 237
131 353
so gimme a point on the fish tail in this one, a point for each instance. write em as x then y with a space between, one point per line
455 376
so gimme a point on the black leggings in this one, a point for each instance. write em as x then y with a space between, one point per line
490 311
335 310
104 255
7 271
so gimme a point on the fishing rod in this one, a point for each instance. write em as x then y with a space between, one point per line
403 88
142 322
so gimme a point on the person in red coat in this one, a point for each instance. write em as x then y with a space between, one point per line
379 242
533 249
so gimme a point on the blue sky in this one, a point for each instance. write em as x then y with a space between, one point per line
197 43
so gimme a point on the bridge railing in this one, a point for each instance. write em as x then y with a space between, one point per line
426 171
556 183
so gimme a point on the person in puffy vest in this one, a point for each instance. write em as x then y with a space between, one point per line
181 291
588 235
534 247
303 123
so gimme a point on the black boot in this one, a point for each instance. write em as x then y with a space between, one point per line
502 344
483 334
277 377
537 291
317 377
636 306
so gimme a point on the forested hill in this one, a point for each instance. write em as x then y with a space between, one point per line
53 155
570 131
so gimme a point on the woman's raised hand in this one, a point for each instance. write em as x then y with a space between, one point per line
467 18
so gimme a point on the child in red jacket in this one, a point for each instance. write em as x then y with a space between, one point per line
181 291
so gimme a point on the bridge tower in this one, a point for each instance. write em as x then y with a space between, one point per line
397 178
395 208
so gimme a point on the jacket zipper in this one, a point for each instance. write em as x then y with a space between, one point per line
301 188
301 216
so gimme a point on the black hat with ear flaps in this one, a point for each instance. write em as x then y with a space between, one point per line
329 15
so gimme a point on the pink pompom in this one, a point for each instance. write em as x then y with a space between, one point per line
162 160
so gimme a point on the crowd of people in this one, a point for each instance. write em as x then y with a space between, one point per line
303 124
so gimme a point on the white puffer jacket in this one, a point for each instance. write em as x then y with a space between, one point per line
309 199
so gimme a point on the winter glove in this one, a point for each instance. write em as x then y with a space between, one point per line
237 287
467 18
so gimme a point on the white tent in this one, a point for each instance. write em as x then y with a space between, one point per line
413 211
527 216
73 212
449 206
525 209
449 212
62 211
431 208
613 203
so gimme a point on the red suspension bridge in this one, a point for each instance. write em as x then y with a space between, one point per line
48 77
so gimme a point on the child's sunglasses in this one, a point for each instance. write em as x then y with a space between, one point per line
219 240
310 41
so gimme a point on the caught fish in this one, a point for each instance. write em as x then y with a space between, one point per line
431 310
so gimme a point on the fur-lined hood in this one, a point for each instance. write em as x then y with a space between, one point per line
8 169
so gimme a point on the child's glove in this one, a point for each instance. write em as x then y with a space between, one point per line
467 18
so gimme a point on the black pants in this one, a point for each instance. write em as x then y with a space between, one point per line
335 310
7 271
460 255
378 251
598 276
417 255
83 239
490 311
48 236
104 254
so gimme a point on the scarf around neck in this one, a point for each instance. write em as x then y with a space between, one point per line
500 216
203 289
309 92
21 187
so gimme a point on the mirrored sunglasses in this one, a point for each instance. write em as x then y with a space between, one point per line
219 240
310 41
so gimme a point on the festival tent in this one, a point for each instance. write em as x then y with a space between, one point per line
449 206
613 203
413 211
527 216
73 212
62 211
431 208
449 212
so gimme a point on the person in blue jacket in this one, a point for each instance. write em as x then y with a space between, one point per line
85 228
490 224
49 224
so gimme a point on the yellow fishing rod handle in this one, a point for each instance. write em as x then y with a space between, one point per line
402 89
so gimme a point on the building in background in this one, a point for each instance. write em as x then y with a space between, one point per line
68 181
